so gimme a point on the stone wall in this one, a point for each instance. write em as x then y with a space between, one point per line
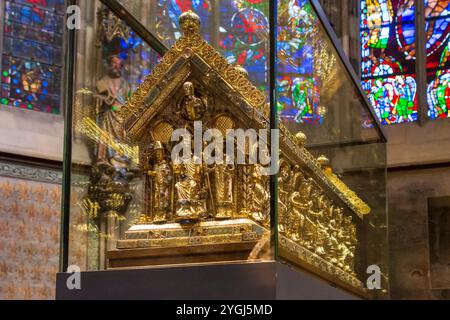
410 269
414 144
418 157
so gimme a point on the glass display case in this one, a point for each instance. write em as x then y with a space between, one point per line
173 158
134 201
332 198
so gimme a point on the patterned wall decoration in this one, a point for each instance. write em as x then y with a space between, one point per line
29 231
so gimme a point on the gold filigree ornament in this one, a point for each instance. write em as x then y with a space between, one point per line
224 123
162 131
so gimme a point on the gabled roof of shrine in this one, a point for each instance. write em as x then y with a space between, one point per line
173 69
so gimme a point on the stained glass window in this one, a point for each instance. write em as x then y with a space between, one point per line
298 74
388 58
32 54
166 18
437 32
239 29
243 36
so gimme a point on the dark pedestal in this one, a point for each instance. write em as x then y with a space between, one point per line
235 281
295 284
202 253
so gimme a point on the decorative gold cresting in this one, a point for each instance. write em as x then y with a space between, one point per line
324 161
301 139
361 208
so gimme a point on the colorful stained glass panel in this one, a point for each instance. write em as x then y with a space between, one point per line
239 29
32 55
298 46
243 37
166 18
393 97
30 85
29 49
437 32
388 58
43 17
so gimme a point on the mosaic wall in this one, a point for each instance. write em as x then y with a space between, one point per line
29 231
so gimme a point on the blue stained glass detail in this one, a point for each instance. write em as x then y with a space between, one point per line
32 54
298 82
388 58
168 11
240 32
243 37
437 32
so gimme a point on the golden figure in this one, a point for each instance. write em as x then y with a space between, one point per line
316 231
260 205
335 231
224 183
191 200
350 241
284 189
162 185
296 222
191 107
302 201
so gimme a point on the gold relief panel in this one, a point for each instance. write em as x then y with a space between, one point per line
311 219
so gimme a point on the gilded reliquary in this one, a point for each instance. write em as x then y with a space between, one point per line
201 212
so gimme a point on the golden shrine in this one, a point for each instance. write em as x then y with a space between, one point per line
206 213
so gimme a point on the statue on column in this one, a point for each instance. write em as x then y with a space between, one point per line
112 93
224 183
112 171
162 180
110 192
